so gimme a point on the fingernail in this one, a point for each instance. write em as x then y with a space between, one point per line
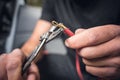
66 43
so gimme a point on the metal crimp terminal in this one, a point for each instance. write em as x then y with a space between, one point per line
54 31
60 25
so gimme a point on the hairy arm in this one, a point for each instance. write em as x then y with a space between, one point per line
41 27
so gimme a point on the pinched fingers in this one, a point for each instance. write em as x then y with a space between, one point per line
101 58
93 36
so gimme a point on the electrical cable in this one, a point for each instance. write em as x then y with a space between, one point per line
70 33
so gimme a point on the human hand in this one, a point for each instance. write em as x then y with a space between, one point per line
11 67
99 48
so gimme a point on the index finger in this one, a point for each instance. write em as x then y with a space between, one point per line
93 36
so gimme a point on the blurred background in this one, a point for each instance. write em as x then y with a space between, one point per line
17 21
34 2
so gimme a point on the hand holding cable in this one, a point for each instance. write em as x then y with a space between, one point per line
55 30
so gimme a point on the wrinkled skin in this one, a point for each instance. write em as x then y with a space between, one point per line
11 67
99 48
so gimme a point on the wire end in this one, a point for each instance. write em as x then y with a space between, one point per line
60 25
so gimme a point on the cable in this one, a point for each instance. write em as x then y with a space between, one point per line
70 33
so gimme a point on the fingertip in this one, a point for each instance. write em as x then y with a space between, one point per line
16 50
74 42
45 52
67 43
71 43
33 73
31 77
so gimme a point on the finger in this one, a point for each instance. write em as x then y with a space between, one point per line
33 73
79 30
45 52
93 36
31 77
102 72
106 62
3 72
14 65
111 47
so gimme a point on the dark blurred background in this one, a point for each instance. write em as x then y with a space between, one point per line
17 21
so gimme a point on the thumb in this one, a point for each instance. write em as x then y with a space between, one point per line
76 32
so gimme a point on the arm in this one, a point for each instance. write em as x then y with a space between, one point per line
13 64
41 27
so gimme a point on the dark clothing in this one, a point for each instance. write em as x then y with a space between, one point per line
75 14
82 13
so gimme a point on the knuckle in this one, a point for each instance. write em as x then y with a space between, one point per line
3 55
92 38
114 29
18 53
13 64
17 50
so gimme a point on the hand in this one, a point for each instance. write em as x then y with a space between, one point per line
11 67
99 48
